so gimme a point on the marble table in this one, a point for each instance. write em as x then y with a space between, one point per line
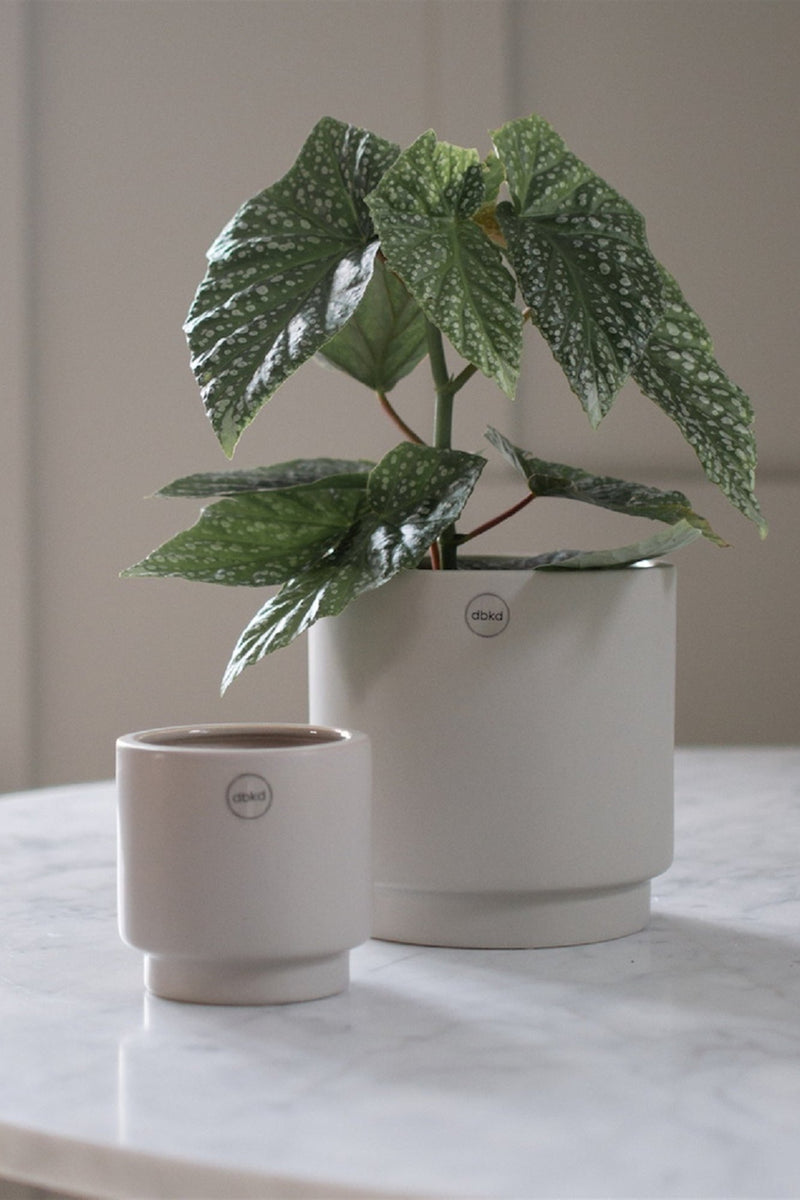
666 1064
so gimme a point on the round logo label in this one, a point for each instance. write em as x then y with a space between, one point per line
487 614
248 796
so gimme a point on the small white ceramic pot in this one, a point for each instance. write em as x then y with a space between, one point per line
244 867
523 731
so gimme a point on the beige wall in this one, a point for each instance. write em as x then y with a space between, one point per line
16 543
133 128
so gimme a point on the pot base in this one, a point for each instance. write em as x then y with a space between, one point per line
509 920
252 981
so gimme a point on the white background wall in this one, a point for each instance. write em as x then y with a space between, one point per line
132 129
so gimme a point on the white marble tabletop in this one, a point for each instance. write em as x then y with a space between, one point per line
666 1064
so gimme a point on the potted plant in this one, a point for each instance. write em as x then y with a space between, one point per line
524 746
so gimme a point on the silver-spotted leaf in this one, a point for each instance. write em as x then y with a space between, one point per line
319 592
680 373
259 538
511 562
260 479
423 209
675 537
412 495
494 176
581 258
421 490
285 274
385 337
666 541
604 491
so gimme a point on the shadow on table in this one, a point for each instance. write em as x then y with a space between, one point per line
679 961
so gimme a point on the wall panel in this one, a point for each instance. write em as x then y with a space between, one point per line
154 121
148 122
16 482
690 108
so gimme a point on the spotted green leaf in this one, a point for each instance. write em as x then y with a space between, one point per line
494 176
260 479
285 274
423 209
412 495
666 541
604 491
385 337
260 538
581 259
420 490
675 537
511 562
680 373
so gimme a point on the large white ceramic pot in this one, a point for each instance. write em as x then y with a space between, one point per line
522 726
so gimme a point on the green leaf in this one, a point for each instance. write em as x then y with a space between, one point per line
494 176
385 337
260 479
604 491
581 259
664 542
419 490
413 494
285 274
510 562
680 373
320 592
423 209
658 544
260 538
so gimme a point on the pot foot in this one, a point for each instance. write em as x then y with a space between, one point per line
509 920
248 981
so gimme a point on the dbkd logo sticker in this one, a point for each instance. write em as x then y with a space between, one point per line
487 614
248 796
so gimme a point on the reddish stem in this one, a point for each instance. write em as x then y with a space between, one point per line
503 516
394 415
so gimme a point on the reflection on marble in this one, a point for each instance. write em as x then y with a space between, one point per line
665 1064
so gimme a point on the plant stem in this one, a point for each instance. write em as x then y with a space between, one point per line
443 426
503 516
443 430
463 377
394 415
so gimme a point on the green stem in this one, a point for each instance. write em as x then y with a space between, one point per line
443 427
463 377
443 430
